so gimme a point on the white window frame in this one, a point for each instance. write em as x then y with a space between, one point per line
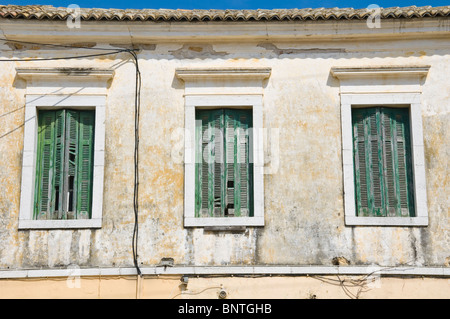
366 87
202 92
35 102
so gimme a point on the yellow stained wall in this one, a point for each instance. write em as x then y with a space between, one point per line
169 287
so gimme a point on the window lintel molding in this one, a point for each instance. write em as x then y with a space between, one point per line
49 73
189 74
380 79
376 71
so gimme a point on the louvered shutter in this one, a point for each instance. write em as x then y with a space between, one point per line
389 165
218 164
60 136
238 169
64 164
45 172
201 166
209 163
382 162
403 143
230 165
375 172
397 162
223 172
367 156
70 168
84 164
360 161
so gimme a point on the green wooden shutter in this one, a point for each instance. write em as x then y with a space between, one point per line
218 165
70 163
367 162
239 170
246 168
397 161
367 155
389 164
201 164
223 172
59 212
84 164
405 163
376 201
360 161
383 171
209 163
230 165
45 164
64 164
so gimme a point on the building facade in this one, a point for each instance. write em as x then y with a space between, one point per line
224 154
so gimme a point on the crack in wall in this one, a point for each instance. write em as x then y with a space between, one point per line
272 47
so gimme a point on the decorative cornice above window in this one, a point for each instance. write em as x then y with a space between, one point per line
29 73
65 80
223 81
346 72
223 73
381 79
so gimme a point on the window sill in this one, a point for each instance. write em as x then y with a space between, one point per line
60 224
385 221
223 221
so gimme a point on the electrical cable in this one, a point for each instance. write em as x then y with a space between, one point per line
195 293
137 101
136 164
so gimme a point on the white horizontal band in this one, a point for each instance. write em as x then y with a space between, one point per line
230 271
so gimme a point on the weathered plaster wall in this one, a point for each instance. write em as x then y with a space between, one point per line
304 212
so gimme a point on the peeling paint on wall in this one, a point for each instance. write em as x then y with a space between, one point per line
192 51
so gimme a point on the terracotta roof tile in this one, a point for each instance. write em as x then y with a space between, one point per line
38 12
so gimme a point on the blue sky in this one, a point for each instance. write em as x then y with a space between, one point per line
228 4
